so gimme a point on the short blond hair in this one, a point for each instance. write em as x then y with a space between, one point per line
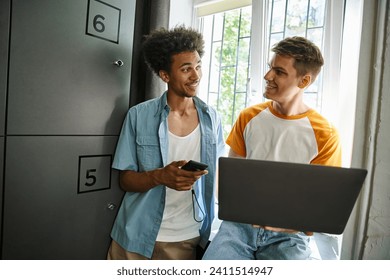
307 56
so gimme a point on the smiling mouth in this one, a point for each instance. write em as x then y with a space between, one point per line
193 85
268 87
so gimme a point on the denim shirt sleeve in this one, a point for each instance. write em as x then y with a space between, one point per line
125 154
140 146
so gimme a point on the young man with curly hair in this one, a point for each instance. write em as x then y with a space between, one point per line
282 129
166 211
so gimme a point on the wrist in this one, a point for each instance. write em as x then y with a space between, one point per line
153 177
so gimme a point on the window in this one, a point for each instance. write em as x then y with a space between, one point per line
238 48
227 37
233 74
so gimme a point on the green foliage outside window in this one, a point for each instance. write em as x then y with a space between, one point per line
230 51
231 59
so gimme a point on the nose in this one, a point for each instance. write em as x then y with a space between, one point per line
268 76
196 74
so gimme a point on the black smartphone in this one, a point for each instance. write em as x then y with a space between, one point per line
193 165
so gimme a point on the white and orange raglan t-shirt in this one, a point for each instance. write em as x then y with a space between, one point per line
261 133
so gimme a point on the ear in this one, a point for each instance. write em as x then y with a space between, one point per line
164 75
306 80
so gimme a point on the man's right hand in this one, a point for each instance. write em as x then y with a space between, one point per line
171 176
175 178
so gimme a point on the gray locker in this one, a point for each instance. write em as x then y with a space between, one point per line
64 91
61 197
63 79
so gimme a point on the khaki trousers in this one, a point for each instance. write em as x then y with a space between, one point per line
182 250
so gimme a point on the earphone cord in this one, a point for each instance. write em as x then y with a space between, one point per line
193 207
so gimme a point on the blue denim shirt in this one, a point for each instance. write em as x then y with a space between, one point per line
143 146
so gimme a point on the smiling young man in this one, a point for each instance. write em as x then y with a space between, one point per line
282 129
166 211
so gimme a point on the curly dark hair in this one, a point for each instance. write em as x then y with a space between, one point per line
308 57
161 44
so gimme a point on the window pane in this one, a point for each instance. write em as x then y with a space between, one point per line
315 35
218 26
213 99
243 65
246 20
226 99
242 78
274 38
311 99
214 68
230 39
316 13
296 19
240 103
243 54
278 15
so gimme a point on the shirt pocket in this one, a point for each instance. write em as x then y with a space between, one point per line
209 150
148 152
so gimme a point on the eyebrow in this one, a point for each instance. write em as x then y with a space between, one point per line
277 67
189 63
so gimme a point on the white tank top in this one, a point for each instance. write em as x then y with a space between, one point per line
178 222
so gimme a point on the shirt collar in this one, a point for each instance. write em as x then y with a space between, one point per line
163 104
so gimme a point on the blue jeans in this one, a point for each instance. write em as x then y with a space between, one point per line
235 241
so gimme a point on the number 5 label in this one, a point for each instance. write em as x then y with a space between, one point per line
94 173
103 21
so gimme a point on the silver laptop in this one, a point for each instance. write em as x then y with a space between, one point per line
304 197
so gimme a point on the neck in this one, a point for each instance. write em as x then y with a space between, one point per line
180 104
290 108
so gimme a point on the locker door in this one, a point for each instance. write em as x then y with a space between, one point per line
63 78
61 199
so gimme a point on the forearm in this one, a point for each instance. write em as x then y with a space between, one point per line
132 181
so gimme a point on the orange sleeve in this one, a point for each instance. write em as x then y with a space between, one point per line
328 141
236 139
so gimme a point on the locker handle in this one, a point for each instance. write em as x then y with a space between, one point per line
118 63
111 206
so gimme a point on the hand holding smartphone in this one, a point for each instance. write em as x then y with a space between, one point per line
193 165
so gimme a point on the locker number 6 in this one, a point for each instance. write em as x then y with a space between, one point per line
98 24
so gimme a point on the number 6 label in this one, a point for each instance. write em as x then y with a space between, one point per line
103 21
94 173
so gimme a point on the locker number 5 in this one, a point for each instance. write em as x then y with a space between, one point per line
94 173
91 177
